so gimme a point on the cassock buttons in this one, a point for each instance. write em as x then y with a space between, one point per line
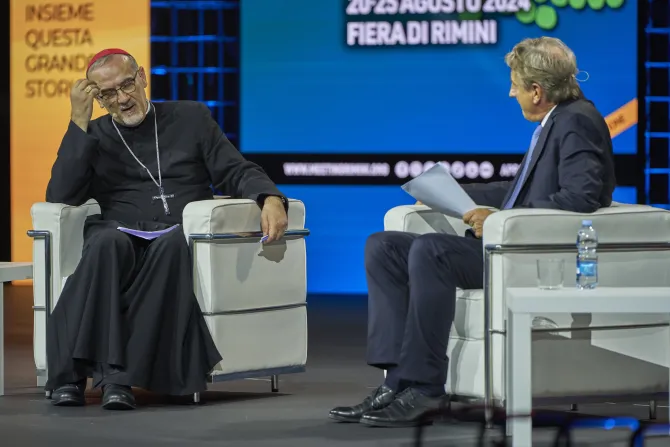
155 218
155 227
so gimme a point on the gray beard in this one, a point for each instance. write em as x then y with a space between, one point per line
138 123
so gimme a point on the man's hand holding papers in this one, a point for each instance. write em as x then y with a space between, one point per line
437 189
476 218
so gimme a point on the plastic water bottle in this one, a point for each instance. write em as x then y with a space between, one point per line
587 256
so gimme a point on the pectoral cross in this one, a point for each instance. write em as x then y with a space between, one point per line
163 197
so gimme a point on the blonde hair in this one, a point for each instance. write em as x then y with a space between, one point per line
548 62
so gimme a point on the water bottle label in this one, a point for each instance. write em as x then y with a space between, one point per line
587 268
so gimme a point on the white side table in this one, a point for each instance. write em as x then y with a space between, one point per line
9 271
522 302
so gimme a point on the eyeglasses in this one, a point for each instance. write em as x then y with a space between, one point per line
128 86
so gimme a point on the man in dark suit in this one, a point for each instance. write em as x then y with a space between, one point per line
412 279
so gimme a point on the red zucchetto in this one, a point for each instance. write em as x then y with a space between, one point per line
104 53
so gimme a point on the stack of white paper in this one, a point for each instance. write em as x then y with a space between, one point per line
437 189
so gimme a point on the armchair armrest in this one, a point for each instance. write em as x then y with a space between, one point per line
421 219
64 224
615 224
224 215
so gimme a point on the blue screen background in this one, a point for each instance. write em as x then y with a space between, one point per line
304 91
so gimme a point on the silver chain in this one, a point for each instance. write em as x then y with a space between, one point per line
158 183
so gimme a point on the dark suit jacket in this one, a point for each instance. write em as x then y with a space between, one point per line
572 167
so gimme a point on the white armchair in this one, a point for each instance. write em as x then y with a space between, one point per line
253 296
575 357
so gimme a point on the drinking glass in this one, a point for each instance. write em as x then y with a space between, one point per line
550 273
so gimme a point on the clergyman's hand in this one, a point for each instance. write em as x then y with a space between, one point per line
81 99
274 220
476 218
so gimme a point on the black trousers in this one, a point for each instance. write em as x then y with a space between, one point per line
412 281
128 316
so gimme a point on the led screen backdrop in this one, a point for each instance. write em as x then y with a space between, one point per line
337 77
370 92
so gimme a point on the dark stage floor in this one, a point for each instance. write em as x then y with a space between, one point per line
242 413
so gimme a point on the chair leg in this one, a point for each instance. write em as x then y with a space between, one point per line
652 410
573 407
274 383
41 379
41 382
196 398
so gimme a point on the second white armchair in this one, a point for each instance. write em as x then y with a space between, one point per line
582 356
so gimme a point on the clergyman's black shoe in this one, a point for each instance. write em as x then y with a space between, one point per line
407 410
118 397
379 399
69 395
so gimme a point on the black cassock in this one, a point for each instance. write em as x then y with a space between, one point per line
128 314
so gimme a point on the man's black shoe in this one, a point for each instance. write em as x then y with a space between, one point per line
118 397
379 399
69 395
406 410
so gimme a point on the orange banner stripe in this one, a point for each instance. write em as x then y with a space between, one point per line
51 44
623 118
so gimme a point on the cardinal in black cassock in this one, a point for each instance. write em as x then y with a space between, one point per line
128 316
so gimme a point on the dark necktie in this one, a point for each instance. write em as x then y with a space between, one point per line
524 170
